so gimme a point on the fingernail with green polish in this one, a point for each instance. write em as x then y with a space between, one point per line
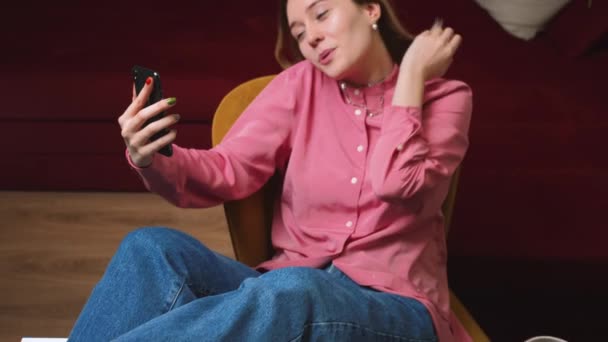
171 101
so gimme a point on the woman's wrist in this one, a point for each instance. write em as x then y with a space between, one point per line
409 90
140 163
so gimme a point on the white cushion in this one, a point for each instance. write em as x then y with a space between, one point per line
545 339
522 18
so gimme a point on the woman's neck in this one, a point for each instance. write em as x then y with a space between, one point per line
373 68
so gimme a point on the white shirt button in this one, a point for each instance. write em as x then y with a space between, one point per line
357 92
354 180
360 148
358 112
400 147
349 224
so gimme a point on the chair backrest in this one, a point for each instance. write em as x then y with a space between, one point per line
250 219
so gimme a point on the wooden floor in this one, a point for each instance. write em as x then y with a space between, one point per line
54 247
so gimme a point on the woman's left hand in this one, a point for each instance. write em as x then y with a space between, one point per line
432 51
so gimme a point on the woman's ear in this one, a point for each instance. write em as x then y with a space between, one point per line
373 11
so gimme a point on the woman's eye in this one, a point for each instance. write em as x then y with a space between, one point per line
299 36
322 15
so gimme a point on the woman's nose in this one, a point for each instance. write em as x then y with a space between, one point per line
314 36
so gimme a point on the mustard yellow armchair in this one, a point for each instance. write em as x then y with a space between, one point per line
249 220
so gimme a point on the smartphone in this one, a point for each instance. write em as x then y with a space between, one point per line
140 74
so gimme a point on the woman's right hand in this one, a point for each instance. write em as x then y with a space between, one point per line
141 149
432 51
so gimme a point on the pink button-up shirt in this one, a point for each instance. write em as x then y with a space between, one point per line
362 191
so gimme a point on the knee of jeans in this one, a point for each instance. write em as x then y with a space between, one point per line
149 239
292 282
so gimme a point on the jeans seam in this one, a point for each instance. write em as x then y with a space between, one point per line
359 326
179 291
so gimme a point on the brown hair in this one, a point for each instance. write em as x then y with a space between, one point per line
396 38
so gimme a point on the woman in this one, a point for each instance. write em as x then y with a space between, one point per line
366 136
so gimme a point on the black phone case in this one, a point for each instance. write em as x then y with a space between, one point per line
140 74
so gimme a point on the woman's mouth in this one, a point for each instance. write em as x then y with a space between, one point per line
326 56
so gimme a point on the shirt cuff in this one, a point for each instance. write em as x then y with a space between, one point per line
401 118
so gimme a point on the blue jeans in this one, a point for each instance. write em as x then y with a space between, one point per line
163 285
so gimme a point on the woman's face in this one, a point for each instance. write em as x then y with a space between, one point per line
335 35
